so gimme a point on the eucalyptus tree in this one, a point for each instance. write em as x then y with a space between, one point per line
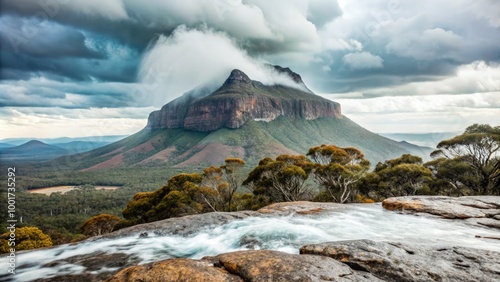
338 170
478 148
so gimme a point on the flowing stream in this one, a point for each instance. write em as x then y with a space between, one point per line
288 234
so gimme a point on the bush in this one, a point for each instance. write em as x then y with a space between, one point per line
27 238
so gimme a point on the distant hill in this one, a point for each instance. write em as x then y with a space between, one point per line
6 145
422 139
55 141
244 119
33 150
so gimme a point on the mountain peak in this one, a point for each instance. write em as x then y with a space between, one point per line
237 77
293 75
34 143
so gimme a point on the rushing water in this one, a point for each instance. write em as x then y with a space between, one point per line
286 234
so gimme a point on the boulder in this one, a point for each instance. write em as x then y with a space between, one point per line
264 265
261 265
482 210
175 270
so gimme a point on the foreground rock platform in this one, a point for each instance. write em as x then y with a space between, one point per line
357 260
262 265
477 210
404 262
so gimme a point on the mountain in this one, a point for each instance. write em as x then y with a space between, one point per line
245 119
239 100
33 150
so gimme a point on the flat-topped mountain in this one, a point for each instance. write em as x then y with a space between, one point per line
241 99
242 118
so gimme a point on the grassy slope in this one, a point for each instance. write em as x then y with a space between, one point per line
257 139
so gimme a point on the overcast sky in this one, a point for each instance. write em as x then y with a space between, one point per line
103 66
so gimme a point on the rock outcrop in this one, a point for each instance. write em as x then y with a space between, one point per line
357 260
404 262
239 100
176 270
262 265
478 210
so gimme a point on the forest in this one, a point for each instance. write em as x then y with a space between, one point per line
467 164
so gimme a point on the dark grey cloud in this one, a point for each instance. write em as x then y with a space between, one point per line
39 92
55 50
55 41
355 46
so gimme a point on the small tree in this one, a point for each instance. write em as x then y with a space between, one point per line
223 182
99 225
213 186
233 173
402 176
478 147
337 170
282 179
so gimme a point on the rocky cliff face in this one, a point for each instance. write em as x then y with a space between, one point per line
239 100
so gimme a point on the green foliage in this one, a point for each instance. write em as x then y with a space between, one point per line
282 179
402 176
214 190
478 148
452 177
219 184
338 170
27 238
99 225
177 198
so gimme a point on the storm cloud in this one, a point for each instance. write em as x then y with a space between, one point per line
104 54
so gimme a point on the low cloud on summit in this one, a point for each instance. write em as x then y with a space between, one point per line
87 54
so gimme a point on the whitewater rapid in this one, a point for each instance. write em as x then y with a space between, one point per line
286 233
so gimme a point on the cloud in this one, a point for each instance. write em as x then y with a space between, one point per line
89 53
42 92
49 123
321 12
70 41
193 57
432 113
476 77
362 60
429 45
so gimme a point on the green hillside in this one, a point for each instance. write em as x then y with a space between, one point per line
252 142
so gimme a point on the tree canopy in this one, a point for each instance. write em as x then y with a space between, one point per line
282 179
99 225
338 170
478 148
27 238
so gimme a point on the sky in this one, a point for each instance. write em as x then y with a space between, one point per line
92 68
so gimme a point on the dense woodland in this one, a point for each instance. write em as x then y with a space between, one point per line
468 164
